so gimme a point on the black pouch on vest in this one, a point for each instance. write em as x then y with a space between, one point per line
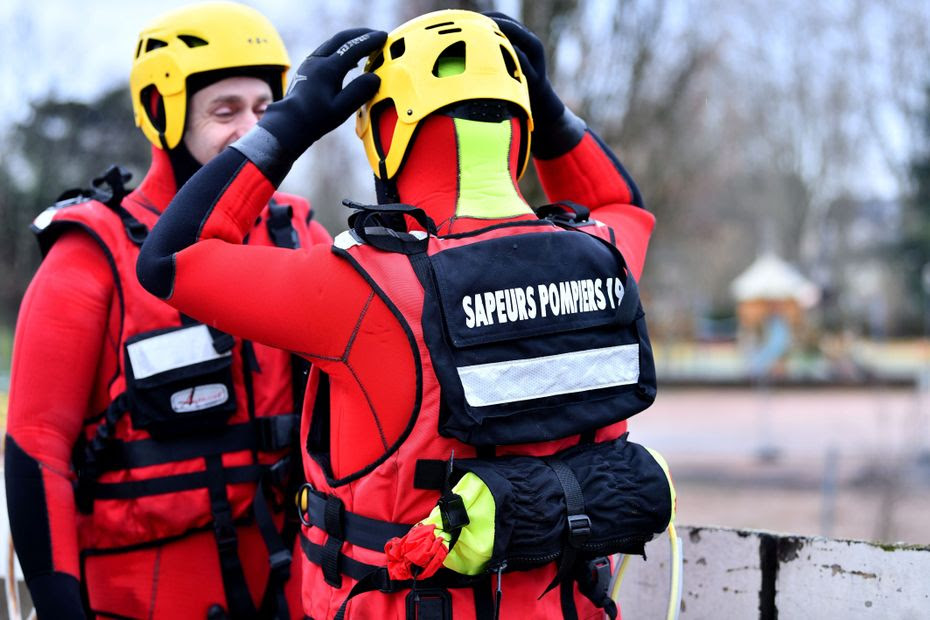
535 337
179 380
622 499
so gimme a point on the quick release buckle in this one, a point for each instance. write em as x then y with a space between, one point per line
579 529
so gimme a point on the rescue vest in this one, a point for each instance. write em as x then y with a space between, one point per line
528 338
189 439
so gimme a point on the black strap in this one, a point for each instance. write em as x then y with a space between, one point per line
483 593
333 513
370 577
227 545
91 457
382 226
176 483
279 554
567 600
349 566
281 227
579 524
267 434
355 528
594 582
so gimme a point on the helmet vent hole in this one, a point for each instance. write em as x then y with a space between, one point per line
192 41
451 61
375 62
139 48
154 107
398 48
450 30
154 44
440 25
510 63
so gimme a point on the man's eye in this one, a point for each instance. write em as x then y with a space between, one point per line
259 110
224 112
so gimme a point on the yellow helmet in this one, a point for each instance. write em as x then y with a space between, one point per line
191 40
409 70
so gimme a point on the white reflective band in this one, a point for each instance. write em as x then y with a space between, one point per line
346 240
176 349
538 377
44 219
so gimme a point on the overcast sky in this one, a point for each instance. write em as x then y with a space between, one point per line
77 49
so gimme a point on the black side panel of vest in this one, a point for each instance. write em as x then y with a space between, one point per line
466 324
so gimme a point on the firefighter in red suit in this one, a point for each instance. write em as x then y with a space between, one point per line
147 453
450 104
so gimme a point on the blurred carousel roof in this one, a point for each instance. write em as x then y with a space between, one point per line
769 277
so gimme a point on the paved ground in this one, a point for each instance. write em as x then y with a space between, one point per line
847 463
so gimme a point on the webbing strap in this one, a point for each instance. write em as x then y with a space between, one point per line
176 483
279 556
483 592
567 600
227 544
269 434
280 227
579 524
349 566
371 578
356 529
332 550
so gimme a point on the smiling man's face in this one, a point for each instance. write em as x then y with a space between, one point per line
221 113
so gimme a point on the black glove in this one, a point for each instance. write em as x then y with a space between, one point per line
316 102
556 130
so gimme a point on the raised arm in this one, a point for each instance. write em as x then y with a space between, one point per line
192 258
572 161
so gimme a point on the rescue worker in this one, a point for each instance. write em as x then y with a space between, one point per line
147 454
457 331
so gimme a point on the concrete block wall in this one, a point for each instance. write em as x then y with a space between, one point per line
739 574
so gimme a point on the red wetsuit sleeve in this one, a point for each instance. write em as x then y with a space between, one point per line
60 337
194 260
591 175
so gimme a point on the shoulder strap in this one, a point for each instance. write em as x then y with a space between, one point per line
383 226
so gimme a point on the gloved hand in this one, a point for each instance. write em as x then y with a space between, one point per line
316 101
556 130
546 105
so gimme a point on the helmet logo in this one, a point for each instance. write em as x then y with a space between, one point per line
350 44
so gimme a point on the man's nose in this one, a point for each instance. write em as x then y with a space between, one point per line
246 121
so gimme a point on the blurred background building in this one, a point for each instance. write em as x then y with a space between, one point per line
784 148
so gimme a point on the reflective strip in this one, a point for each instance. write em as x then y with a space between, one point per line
348 239
175 349
345 240
45 218
538 377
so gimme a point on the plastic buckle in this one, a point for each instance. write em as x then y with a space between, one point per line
225 531
579 529
600 575
280 560
453 513
275 433
278 473
384 582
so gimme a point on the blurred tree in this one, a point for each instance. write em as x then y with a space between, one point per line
63 144
914 251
